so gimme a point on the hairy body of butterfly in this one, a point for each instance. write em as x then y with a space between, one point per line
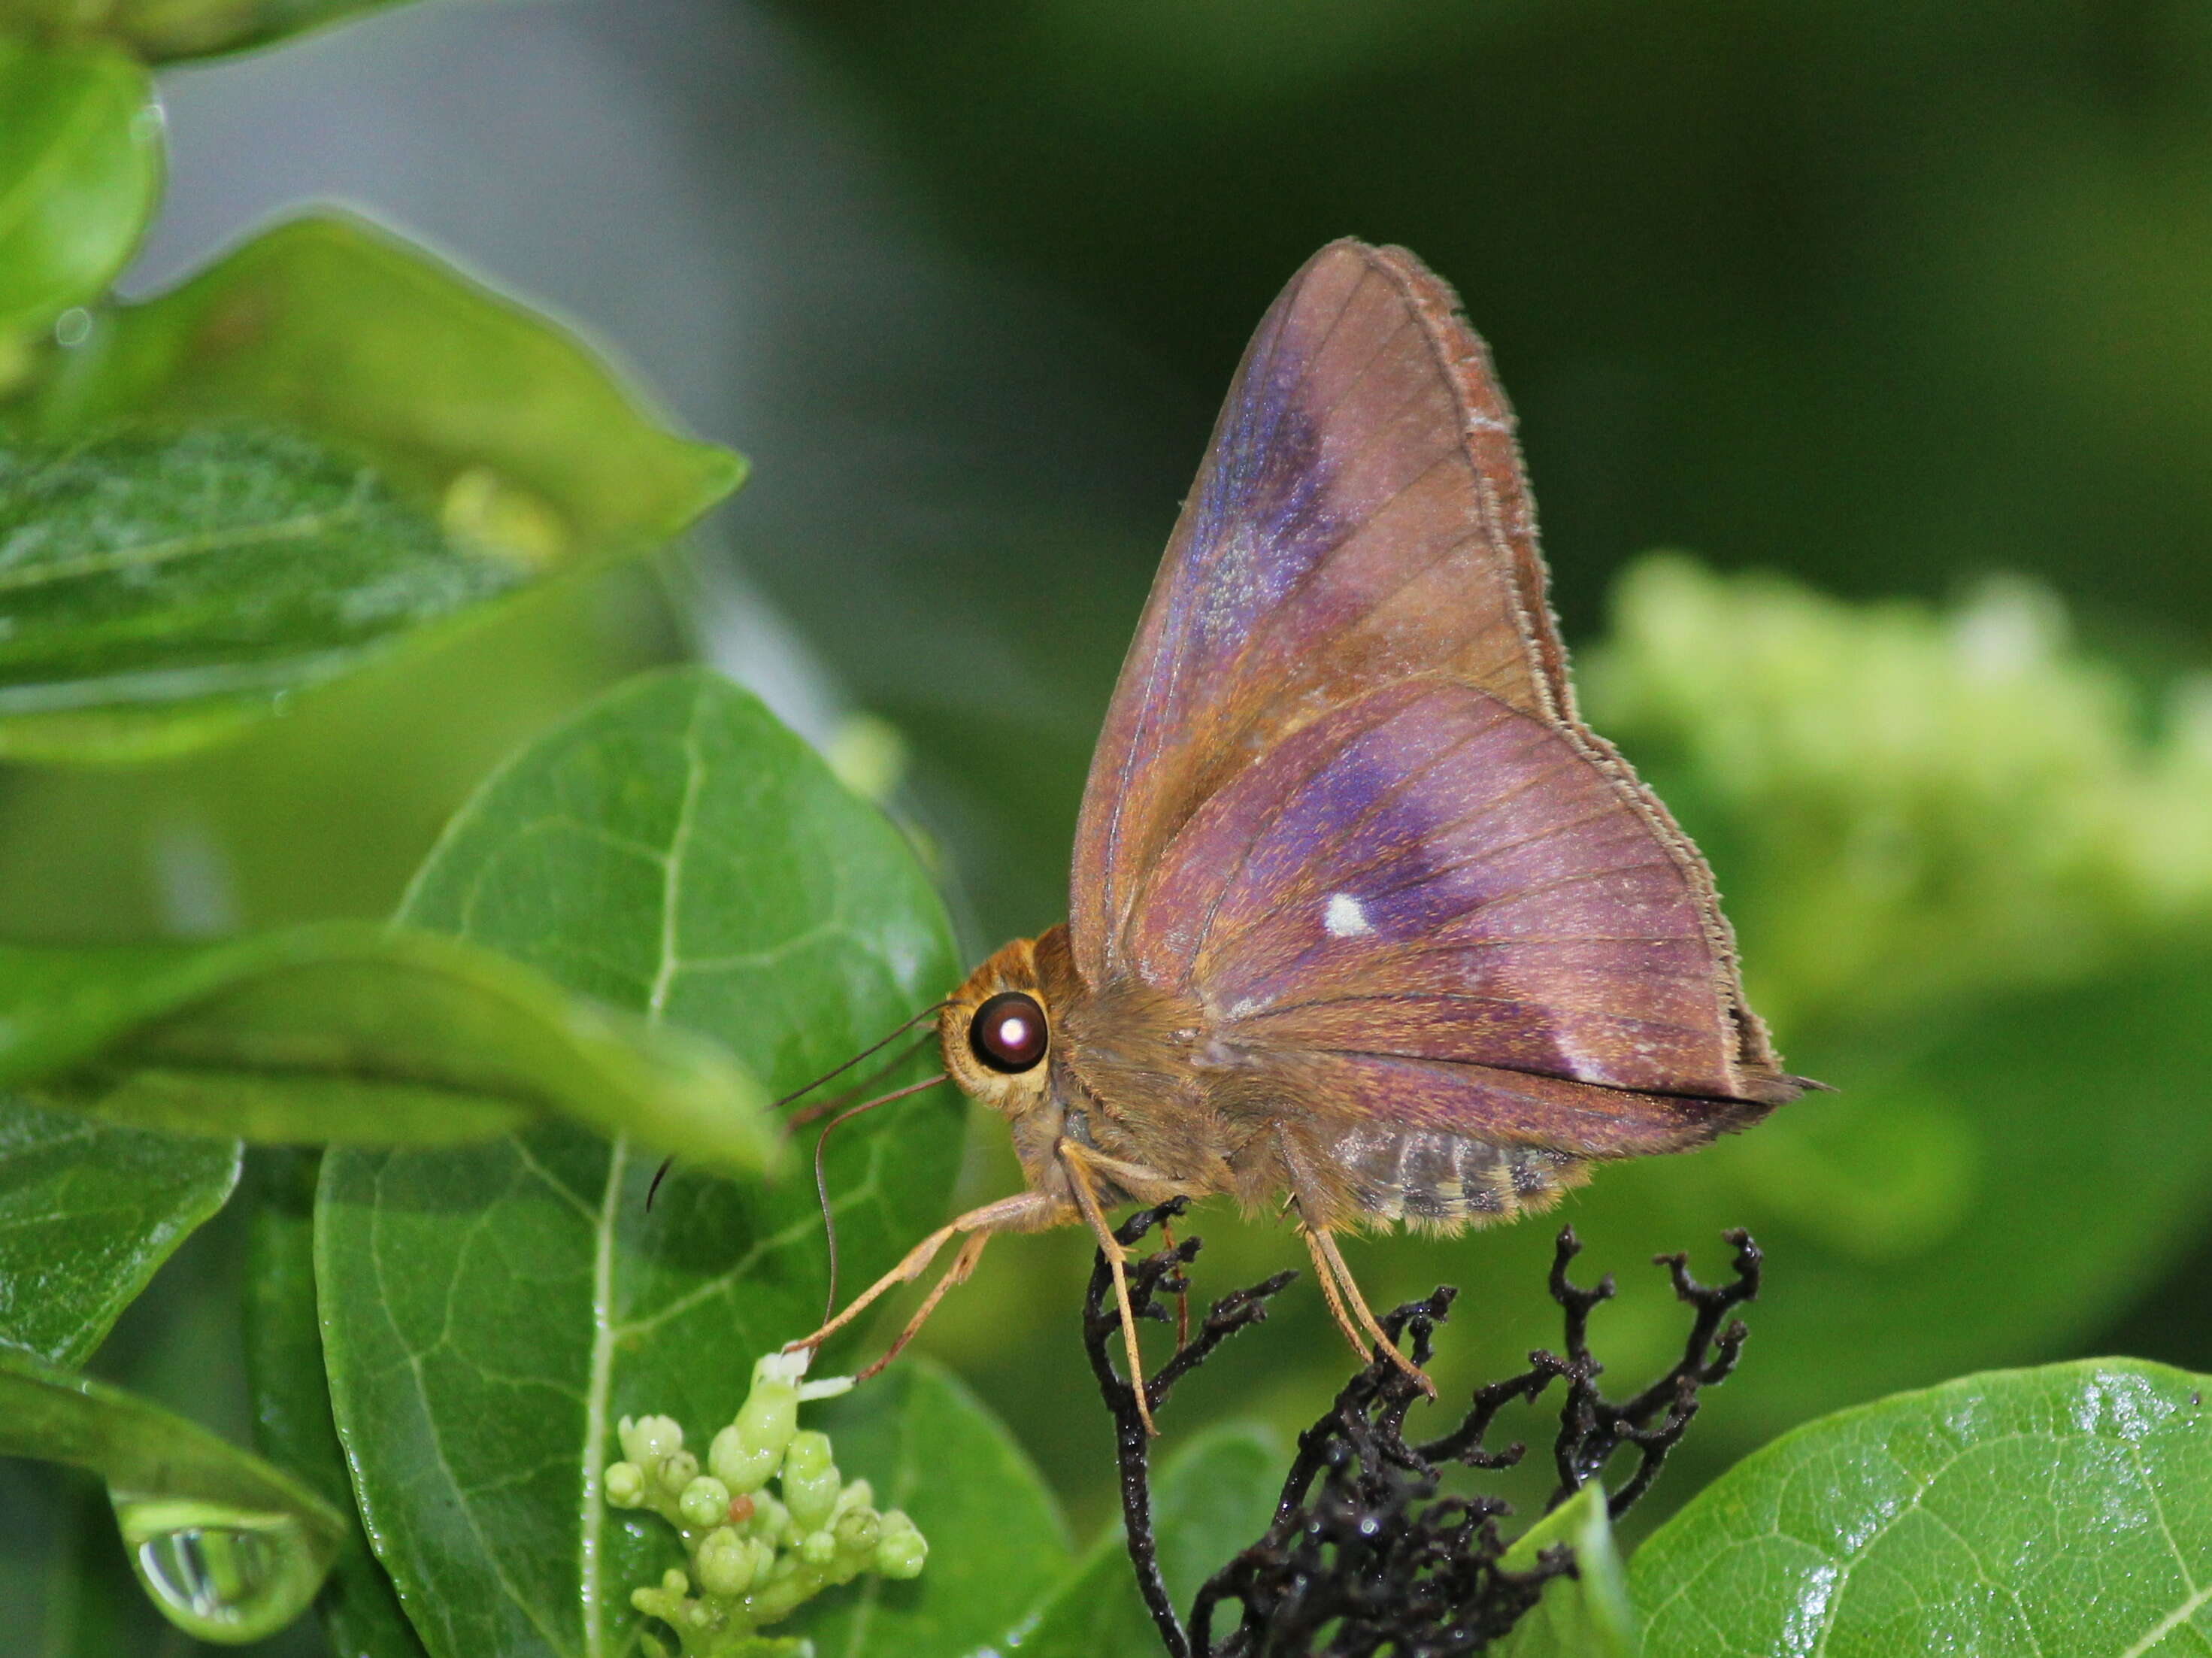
1362 916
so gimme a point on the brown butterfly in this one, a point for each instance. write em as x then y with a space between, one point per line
1362 915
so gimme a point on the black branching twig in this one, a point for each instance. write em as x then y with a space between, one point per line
1591 1429
1159 1273
1362 1555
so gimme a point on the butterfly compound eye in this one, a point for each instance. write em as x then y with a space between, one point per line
1008 1032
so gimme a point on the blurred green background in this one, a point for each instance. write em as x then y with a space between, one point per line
1909 307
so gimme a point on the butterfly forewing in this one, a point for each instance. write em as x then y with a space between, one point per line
1359 519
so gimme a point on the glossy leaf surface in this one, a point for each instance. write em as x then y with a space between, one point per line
88 1210
229 1547
2056 1511
163 589
80 169
342 1031
491 1313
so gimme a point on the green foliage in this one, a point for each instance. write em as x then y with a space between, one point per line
163 589
88 1210
517 436
230 1548
325 445
345 1032
1979 801
291 1399
676 851
1214 1497
2057 1511
1587 1615
1973 877
162 29
2016 880
79 167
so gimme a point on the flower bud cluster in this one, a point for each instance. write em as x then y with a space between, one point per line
756 1555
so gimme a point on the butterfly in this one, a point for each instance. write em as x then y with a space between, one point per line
1363 920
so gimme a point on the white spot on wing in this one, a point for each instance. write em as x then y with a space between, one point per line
1344 918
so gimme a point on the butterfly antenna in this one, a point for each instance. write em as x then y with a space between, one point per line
667 1163
814 1109
822 1181
930 1011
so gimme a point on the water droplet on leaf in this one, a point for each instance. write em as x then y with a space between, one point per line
219 1573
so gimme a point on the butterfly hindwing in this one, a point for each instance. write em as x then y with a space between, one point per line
1436 903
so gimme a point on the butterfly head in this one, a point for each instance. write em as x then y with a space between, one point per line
997 1032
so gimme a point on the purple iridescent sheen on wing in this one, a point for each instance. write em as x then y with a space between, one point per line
1430 874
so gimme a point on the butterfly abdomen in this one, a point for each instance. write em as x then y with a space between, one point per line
1441 1181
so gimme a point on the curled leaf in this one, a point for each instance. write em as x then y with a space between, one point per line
342 1032
1588 1614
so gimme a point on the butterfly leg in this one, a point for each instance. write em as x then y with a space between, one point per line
1332 1295
1182 1295
1025 1211
1350 1308
964 1263
1086 1198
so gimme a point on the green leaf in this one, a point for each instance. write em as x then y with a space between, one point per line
88 1212
229 1547
162 29
1587 1615
333 442
79 170
1214 1497
345 1032
2055 1511
162 590
997 1541
292 1421
491 1314
518 434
